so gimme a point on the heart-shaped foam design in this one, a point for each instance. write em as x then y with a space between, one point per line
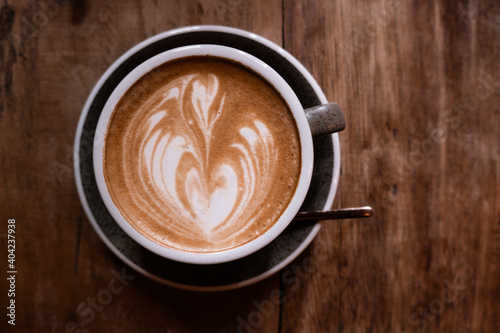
205 189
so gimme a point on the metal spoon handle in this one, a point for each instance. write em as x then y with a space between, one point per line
344 213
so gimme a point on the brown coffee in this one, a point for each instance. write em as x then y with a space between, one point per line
202 155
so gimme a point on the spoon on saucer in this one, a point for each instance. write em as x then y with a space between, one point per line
337 214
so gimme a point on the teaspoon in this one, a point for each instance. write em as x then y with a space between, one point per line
344 213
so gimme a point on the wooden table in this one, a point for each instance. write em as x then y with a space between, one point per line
420 86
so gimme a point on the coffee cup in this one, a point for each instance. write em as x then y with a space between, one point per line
203 154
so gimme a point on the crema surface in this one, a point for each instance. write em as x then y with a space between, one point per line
202 155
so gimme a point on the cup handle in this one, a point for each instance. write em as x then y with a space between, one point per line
325 119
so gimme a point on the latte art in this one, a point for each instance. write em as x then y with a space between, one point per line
178 167
202 155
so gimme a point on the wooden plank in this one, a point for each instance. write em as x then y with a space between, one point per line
421 146
44 81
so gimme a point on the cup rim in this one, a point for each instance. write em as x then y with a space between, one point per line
272 77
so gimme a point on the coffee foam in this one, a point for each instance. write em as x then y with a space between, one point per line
202 155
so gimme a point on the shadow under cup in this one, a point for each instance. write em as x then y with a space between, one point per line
305 143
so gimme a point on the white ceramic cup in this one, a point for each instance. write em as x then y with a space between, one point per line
304 128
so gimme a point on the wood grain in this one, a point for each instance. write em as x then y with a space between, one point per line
45 80
420 86
421 147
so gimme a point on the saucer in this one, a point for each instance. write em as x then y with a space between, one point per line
234 274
